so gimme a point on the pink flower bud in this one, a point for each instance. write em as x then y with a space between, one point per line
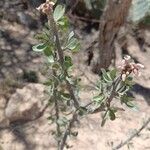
123 77
135 71
127 73
139 65
46 7
127 57
128 66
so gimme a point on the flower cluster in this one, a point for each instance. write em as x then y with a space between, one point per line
128 66
46 7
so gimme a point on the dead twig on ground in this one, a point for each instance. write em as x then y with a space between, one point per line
132 136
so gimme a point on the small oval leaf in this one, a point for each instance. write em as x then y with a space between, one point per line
59 12
39 48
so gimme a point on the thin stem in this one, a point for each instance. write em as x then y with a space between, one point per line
74 116
68 130
113 92
56 113
132 136
57 124
61 59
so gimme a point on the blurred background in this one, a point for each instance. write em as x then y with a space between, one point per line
22 73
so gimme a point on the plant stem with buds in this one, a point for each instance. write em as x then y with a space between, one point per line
61 59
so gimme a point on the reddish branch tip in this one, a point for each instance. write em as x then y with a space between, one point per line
46 7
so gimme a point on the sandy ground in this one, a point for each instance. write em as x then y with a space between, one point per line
16 56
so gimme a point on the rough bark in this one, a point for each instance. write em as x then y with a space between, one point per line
113 18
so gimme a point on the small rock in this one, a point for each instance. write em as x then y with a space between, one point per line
26 103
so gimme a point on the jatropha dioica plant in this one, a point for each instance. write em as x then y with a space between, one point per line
57 43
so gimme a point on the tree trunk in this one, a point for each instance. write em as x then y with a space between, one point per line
113 18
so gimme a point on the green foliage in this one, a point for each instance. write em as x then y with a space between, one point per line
111 113
82 111
39 48
63 23
58 80
99 99
106 76
59 12
127 100
72 43
68 62
62 121
111 86
57 44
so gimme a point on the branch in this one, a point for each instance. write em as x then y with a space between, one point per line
68 130
56 112
113 92
75 114
71 122
61 59
132 136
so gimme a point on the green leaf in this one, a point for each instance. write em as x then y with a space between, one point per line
40 47
77 48
120 85
112 114
99 98
56 66
106 75
130 104
82 111
74 133
63 23
65 96
129 81
48 51
113 74
68 62
128 101
62 121
48 83
72 44
42 37
125 98
103 71
59 12
50 59
123 90
71 34
69 79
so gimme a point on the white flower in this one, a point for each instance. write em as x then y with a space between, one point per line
128 66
